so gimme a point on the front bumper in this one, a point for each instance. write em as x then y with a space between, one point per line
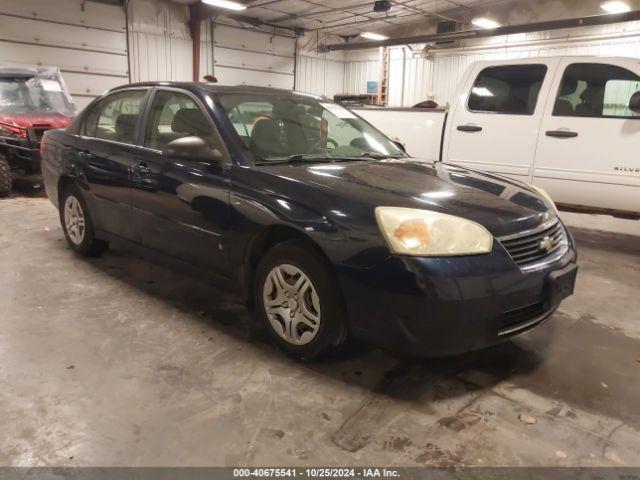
446 306
23 152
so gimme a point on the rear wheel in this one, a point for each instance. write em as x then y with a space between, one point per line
5 177
298 301
77 224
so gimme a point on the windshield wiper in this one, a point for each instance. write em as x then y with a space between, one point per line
374 155
297 158
323 158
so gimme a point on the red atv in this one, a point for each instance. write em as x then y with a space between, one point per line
32 101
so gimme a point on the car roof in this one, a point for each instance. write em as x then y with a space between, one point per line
210 87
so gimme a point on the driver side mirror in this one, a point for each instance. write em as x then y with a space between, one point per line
400 145
192 148
634 103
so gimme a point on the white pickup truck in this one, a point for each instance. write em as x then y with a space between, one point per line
570 125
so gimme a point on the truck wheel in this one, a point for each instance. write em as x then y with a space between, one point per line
77 224
298 301
5 177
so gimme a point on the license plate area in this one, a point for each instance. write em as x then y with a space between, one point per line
561 283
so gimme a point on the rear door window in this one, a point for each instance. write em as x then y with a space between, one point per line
90 120
509 89
596 90
119 116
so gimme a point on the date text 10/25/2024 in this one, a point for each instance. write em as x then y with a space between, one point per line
315 473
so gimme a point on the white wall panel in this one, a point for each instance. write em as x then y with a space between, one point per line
320 76
160 42
87 42
357 74
159 57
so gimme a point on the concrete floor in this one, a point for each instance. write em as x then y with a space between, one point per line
116 361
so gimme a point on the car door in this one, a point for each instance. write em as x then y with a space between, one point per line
105 157
587 151
181 205
495 127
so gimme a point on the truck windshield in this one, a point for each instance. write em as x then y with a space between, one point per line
285 126
34 95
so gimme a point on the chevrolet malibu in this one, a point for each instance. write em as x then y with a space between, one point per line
322 224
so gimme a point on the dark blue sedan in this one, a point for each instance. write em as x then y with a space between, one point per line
325 226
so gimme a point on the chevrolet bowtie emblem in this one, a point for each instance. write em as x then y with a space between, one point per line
546 244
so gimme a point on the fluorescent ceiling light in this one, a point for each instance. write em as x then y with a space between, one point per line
484 22
615 7
374 36
228 4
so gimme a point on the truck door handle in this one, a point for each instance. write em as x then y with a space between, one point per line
469 128
561 134
141 169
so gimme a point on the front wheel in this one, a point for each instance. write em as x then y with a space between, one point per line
5 177
298 301
78 225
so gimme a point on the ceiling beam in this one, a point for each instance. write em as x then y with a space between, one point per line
589 21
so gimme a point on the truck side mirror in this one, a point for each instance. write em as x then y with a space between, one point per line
191 148
634 103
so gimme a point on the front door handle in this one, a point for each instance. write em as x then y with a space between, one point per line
469 128
141 169
561 134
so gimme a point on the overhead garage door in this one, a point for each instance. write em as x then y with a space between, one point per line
250 57
86 40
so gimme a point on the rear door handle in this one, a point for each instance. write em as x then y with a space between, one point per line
561 134
469 128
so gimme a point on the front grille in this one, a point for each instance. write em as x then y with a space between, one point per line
521 318
533 247
39 132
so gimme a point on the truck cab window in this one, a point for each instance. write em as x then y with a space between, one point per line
119 115
510 89
175 115
596 90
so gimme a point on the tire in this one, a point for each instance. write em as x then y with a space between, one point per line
77 224
298 302
5 177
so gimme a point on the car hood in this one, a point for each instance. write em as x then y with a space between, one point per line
501 205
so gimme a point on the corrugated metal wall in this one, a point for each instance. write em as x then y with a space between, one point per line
87 41
320 75
160 41
358 73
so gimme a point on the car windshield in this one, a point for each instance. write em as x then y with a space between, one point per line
285 126
34 95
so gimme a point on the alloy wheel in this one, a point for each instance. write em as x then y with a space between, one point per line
74 220
291 304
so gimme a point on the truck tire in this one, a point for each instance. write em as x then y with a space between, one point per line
5 177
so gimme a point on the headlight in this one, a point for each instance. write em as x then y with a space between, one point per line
410 231
546 196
